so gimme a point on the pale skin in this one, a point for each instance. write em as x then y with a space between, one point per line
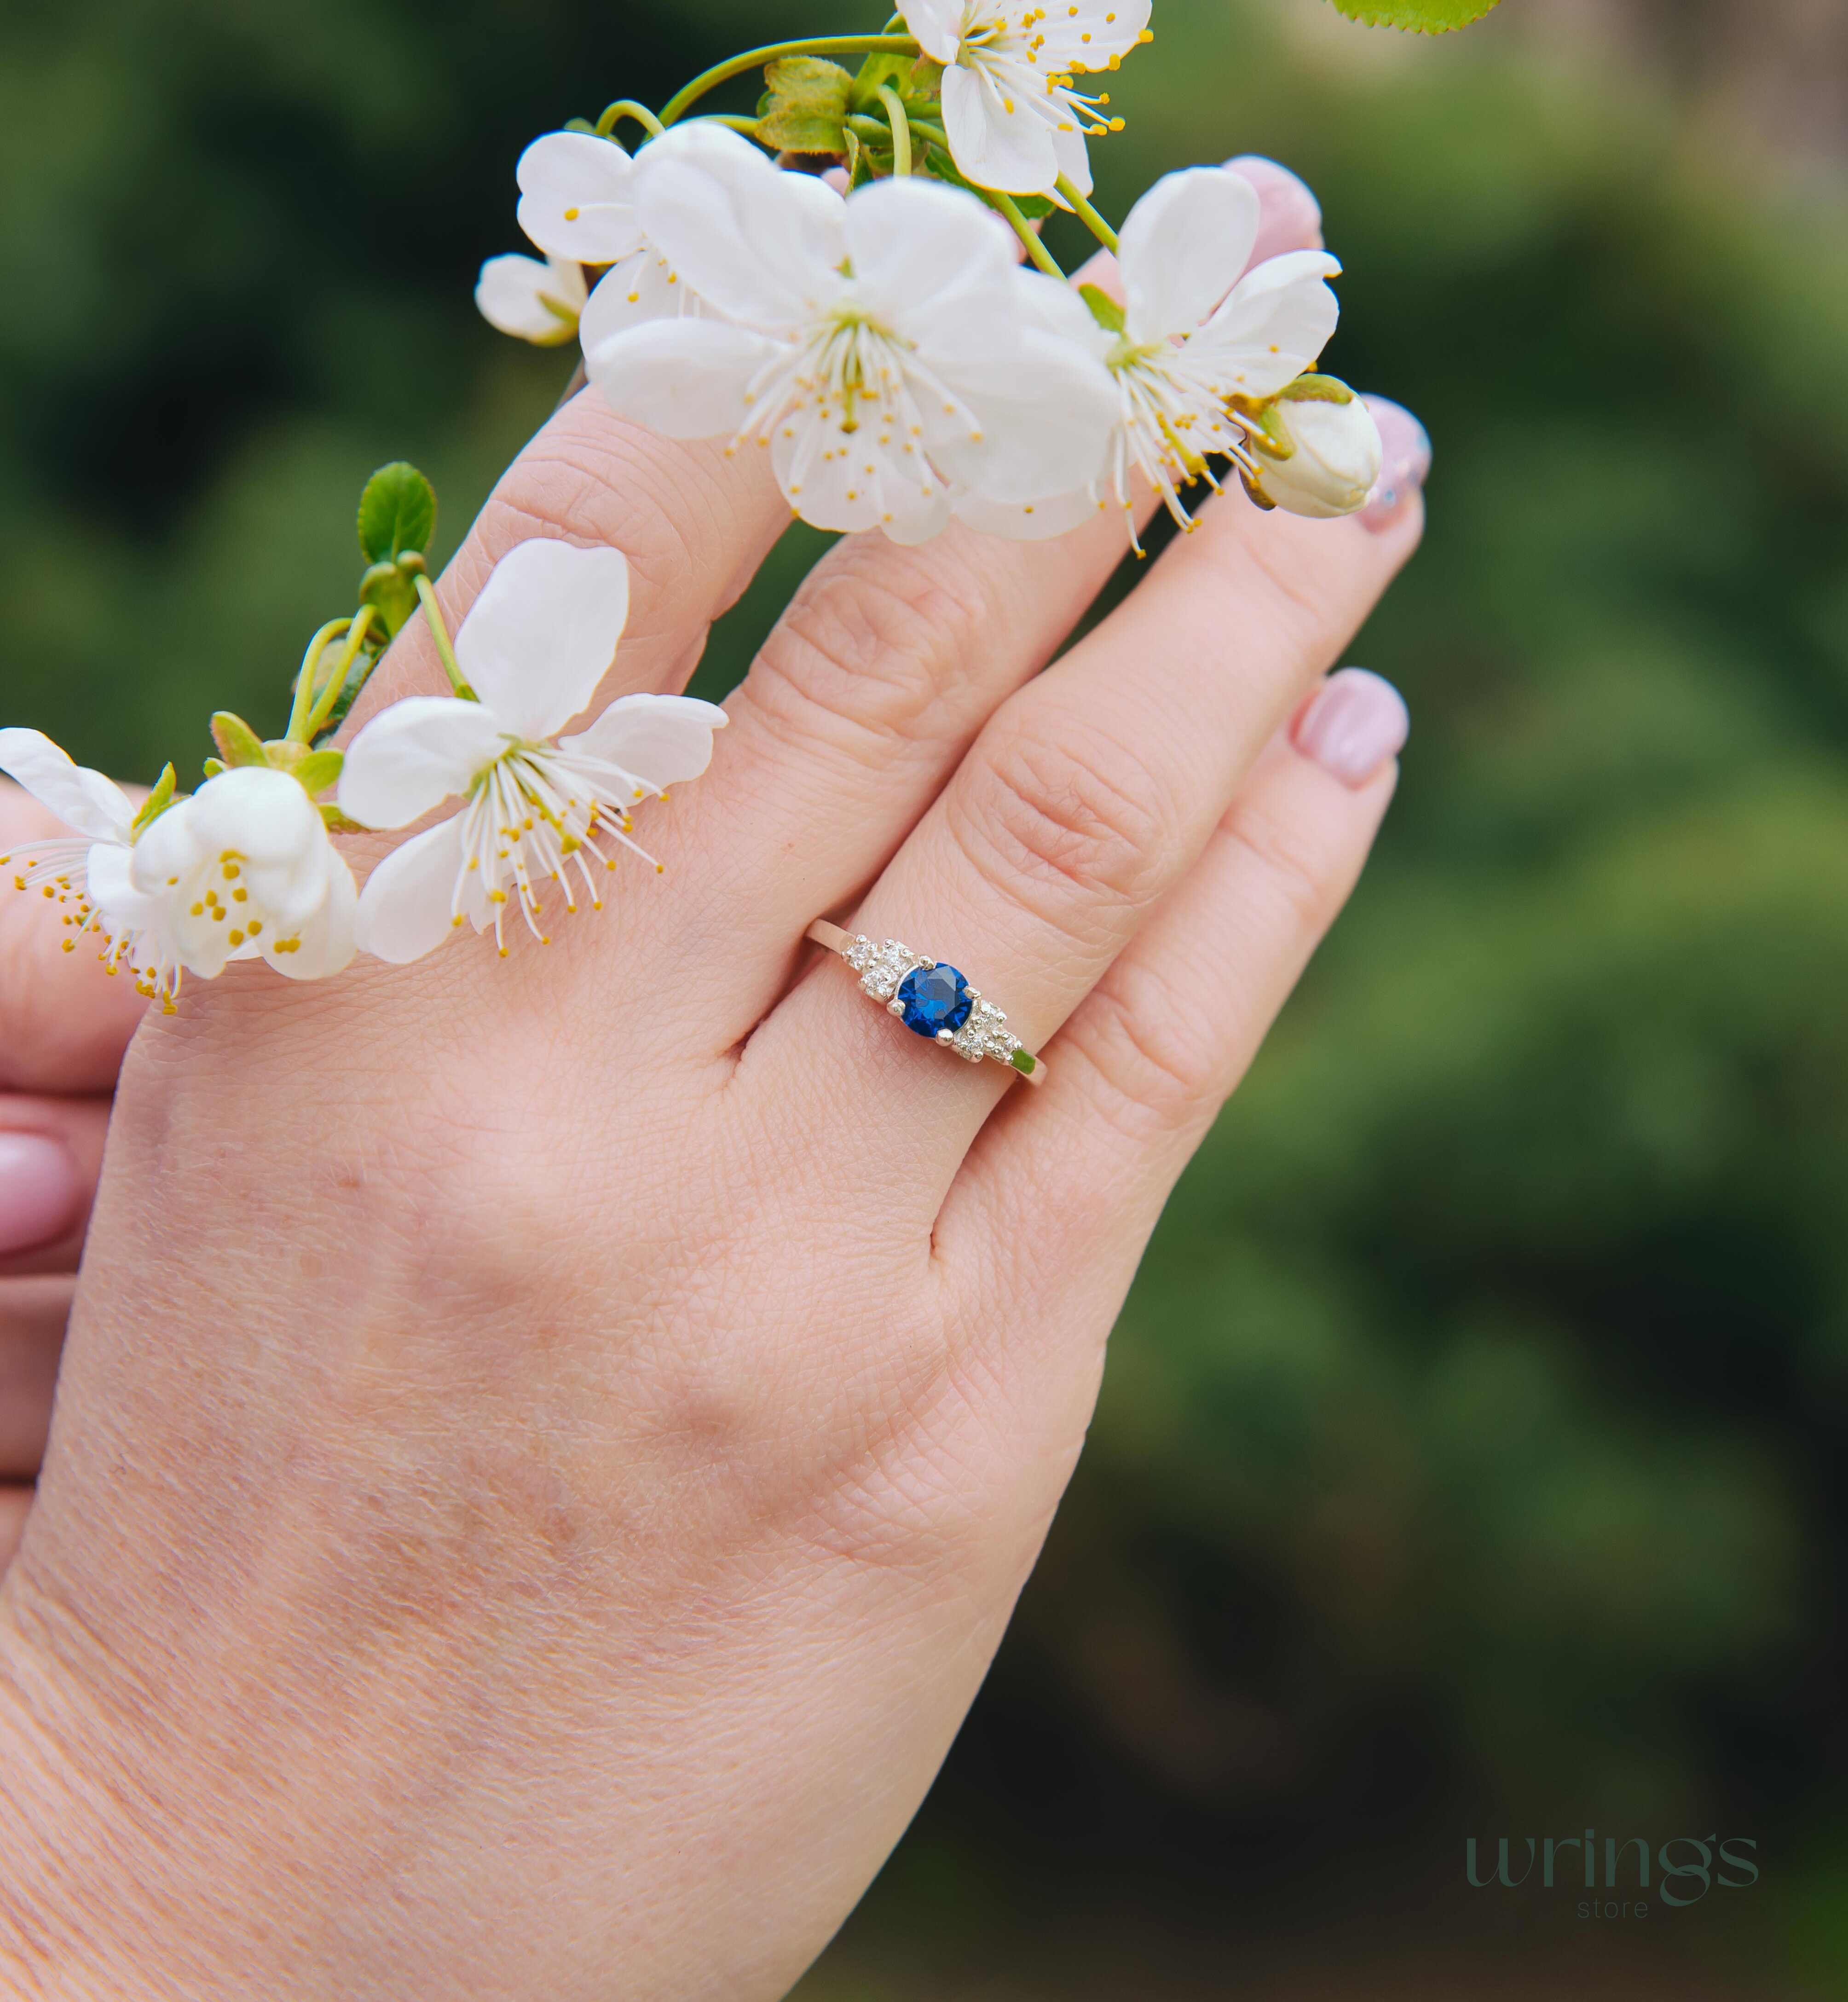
545 1449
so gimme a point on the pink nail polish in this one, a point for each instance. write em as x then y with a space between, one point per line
1353 726
40 1193
1405 460
1290 218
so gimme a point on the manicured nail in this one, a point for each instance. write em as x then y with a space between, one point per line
1404 462
40 1193
1291 216
1353 726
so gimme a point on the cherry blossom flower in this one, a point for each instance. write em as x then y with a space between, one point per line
243 869
578 196
539 302
1318 451
1015 118
885 347
1195 350
533 649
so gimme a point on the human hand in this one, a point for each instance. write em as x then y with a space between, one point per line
546 1450
63 1030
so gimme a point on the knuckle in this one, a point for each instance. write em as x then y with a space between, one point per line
1291 866
1155 1062
872 649
1063 820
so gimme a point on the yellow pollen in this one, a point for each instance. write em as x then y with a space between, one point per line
571 214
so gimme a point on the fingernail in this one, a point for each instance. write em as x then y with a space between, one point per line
1290 218
40 1193
1404 462
1353 726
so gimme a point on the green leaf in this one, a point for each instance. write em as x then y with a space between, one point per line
238 743
318 771
157 801
390 588
1423 17
808 106
397 513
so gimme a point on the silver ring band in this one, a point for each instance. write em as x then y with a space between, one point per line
932 999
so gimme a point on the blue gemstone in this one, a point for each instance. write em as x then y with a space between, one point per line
934 998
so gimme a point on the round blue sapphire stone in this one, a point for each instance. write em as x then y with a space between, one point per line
934 998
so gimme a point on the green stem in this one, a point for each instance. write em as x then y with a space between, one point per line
747 126
682 101
627 107
901 124
324 708
305 682
439 633
1088 215
1025 231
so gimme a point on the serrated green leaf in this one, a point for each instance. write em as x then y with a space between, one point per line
397 513
238 743
807 110
1422 17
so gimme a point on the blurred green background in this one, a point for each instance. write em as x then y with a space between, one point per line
1471 1457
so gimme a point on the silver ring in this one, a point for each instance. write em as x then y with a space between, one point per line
932 999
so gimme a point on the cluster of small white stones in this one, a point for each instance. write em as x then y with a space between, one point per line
985 1034
882 969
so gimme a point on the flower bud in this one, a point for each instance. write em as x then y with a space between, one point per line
1317 448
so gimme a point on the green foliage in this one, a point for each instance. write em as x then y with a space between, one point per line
804 110
397 513
1424 17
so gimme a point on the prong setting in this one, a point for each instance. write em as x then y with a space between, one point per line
980 1028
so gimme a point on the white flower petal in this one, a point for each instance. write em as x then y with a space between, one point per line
663 740
996 139
414 755
1033 522
1278 319
110 883
916 242
166 853
326 943
1073 155
938 25
409 905
763 245
82 799
543 634
1085 36
1031 370
577 198
275 833
641 288
849 481
1184 247
1334 465
685 379
531 300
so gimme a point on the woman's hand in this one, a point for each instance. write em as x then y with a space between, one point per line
546 1449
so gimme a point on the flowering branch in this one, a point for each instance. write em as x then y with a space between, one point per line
683 101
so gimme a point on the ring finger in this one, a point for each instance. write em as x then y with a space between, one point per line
1088 796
